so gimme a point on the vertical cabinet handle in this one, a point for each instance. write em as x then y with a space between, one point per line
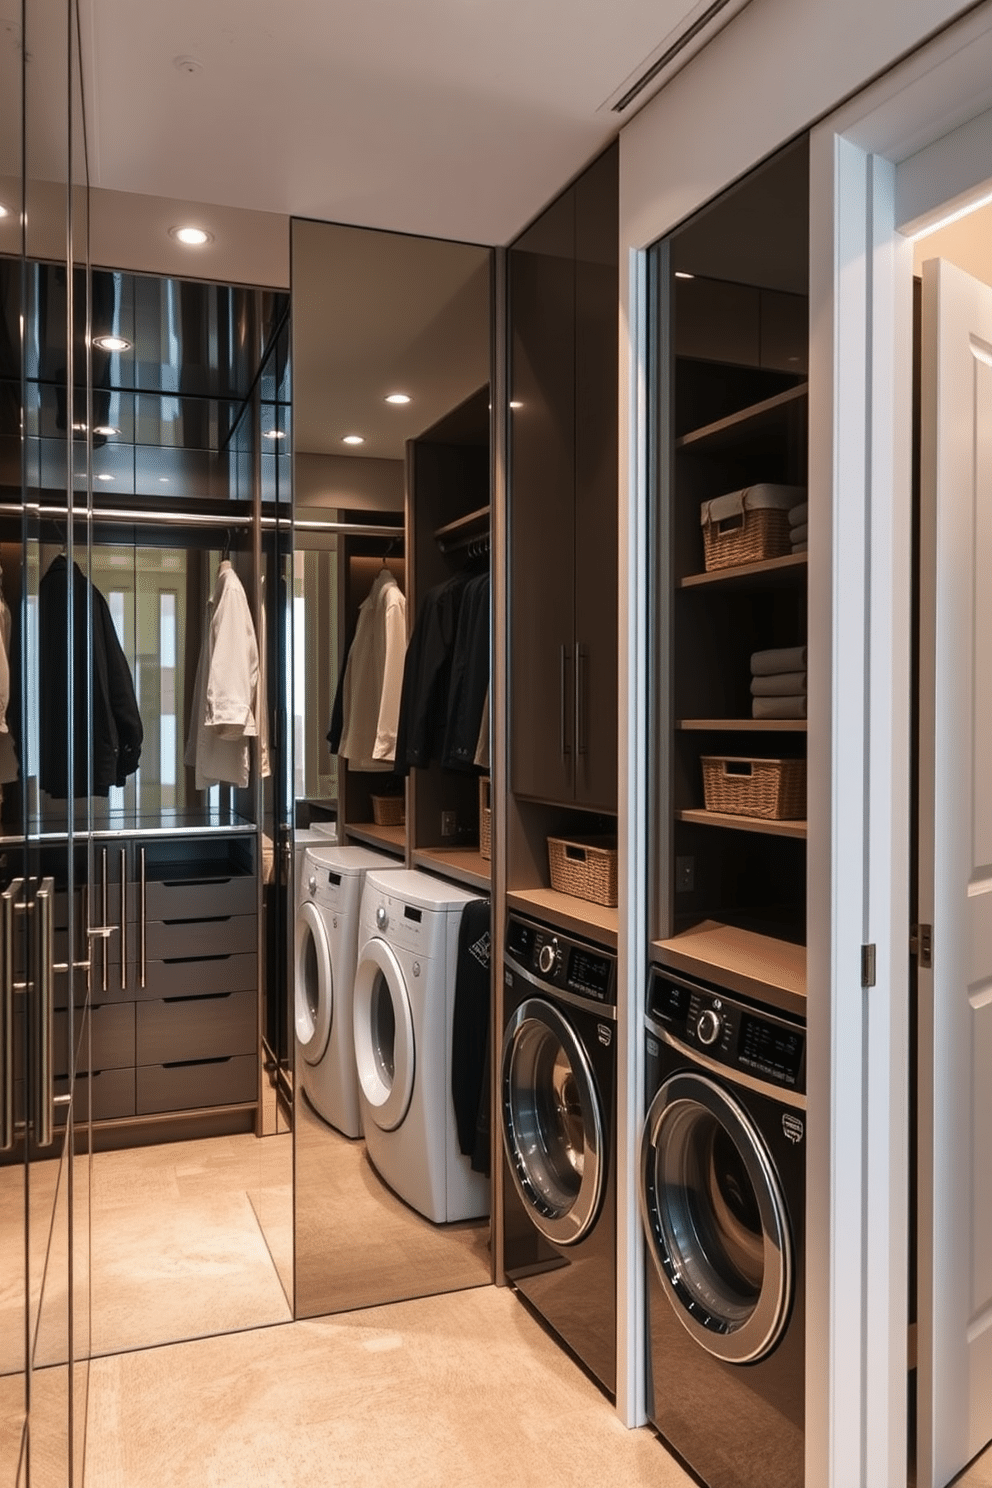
141 923
10 894
44 1015
580 699
563 747
123 919
103 911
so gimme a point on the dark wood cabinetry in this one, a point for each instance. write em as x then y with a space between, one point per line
563 287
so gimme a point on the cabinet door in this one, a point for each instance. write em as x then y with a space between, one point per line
596 372
542 468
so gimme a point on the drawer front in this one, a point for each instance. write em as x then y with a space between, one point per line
111 1043
199 976
110 1091
189 899
181 1087
197 1027
167 939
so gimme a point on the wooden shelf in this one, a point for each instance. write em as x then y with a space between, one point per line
744 725
761 824
578 916
477 518
758 419
464 864
390 839
769 970
787 569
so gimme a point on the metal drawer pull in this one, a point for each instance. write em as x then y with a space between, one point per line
43 1022
123 919
142 920
186 1063
7 906
103 913
580 699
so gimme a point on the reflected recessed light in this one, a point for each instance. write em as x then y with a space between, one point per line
274 434
353 439
106 429
681 274
397 397
80 428
112 343
193 237
163 480
515 403
4 211
104 476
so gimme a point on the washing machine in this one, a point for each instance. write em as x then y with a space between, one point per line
329 894
404 1008
320 834
723 1193
557 1109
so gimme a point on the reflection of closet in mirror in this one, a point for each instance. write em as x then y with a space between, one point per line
391 356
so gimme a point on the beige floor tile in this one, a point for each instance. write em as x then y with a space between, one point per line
979 1474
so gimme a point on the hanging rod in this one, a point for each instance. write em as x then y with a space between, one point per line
210 519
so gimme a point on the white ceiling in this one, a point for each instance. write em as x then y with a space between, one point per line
455 118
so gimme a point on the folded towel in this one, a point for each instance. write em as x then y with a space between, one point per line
799 534
785 659
800 547
797 514
778 707
781 684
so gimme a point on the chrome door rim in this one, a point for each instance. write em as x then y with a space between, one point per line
669 1117
564 1224
388 1102
313 1032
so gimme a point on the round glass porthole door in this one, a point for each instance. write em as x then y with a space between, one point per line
552 1122
314 985
384 1043
715 1219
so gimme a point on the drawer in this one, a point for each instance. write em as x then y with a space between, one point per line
193 898
199 976
189 1085
167 939
102 1095
202 1027
111 1042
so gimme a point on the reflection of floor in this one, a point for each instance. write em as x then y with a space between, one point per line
464 1389
357 1244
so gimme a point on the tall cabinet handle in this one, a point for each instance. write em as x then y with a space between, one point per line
44 1010
103 911
563 748
580 699
123 919
142 933
10 894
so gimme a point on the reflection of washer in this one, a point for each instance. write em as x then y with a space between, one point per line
328 899
404 1006
557 1095
321 834
723 1185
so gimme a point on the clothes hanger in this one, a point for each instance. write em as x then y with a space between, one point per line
225 552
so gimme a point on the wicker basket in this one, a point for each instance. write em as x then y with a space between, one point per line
738 786
485 818
748 526
389 811
585 867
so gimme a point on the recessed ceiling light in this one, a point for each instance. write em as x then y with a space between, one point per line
354 439
193 237
274 434
112 343
4 211
397 397
515 403
106 430
163 480
681 274
104 476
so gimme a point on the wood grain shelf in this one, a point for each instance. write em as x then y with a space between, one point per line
762 824
464 864
790 568
390 839
477 518
744 725
771 971
756 420
578 916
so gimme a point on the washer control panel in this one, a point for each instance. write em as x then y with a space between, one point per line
728 1029
561 960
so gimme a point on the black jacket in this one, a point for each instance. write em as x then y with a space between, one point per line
426 674
116 734
469 677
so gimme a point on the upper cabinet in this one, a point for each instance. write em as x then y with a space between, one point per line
563 274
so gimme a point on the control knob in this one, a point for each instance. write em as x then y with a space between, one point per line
547 956
381 917
312 883
708 1027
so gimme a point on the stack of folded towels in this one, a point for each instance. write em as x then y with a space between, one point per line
798 530
778 683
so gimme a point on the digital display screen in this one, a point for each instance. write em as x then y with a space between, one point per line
771 1047
588 972
668 1001
520 940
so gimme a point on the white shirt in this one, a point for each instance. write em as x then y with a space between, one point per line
373 679
226 691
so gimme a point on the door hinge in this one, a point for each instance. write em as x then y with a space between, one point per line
868 966
921 944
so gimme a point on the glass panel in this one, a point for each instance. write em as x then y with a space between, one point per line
548 1119
383 1031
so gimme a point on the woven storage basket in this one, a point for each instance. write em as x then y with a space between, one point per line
738 786
748 526
485 818
389 811
585 867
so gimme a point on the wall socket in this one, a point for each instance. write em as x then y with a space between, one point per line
449 823
685 875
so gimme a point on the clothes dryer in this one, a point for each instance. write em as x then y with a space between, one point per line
722 1191
557 1104
329 898
404 1008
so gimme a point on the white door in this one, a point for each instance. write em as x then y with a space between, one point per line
955 895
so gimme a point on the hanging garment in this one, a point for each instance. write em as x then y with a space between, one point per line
116 733
482 745
426 675
470 1034
226 690
469 681
336 729
8 755
373 680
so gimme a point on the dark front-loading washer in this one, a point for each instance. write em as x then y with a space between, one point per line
723 1192
557 1104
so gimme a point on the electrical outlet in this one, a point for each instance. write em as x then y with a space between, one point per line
449 823
685 875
